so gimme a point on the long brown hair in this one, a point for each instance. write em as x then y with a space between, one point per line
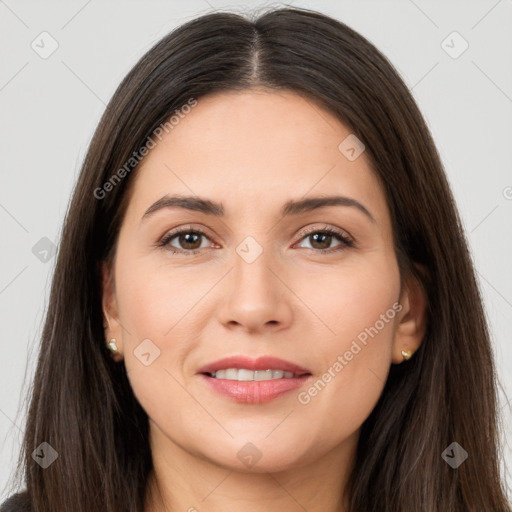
81 402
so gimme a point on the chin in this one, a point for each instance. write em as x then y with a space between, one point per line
246 456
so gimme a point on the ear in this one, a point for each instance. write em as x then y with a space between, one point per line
412 319
109 306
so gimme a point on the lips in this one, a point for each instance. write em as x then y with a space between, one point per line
253 391
261 363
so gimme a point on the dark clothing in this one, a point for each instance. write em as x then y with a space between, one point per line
19 502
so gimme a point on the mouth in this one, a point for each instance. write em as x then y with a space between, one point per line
244 374
253 381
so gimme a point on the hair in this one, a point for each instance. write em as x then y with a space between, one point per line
81 401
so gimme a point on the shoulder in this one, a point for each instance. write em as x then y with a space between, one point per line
19 502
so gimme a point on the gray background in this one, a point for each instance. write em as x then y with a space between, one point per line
50 107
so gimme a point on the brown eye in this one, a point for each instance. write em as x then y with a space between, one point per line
320 240
189 241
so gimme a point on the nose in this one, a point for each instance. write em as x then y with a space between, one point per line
256 298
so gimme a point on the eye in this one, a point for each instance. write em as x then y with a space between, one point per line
323 237
189 239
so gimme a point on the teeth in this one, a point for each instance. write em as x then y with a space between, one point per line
230 373
242 374
263 375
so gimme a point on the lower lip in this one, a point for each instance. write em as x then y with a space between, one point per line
254 391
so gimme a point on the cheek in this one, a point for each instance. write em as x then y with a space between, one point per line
154 310
154 299
351 300
358 308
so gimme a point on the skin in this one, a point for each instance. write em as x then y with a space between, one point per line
253 151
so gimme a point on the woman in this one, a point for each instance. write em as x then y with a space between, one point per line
247 370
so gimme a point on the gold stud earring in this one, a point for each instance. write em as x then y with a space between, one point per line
114 351
406 354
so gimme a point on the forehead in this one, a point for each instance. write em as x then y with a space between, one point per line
254 148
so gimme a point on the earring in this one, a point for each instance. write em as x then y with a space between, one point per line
111 345
406 354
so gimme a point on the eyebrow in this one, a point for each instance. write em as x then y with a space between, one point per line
292 207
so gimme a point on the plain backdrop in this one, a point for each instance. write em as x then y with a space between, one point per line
50 105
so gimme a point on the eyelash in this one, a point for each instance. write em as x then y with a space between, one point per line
347 242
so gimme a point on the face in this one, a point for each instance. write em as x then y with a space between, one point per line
249 281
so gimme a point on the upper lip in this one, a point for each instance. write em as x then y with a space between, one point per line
260 363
